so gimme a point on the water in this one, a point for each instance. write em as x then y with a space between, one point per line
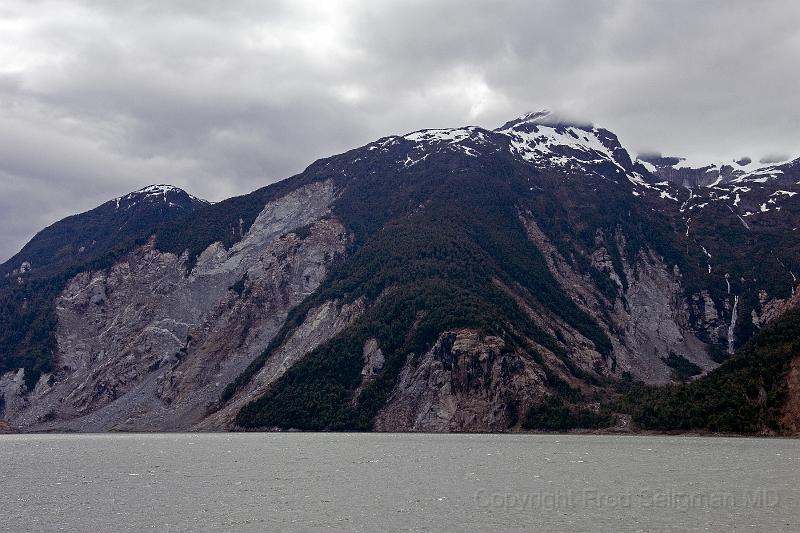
385 482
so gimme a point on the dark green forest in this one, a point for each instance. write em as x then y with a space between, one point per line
428 272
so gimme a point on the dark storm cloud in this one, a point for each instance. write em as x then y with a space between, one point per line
99 98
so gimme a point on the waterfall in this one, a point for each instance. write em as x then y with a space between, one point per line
733 324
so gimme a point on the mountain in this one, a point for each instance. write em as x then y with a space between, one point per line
459 279
31 279
93 233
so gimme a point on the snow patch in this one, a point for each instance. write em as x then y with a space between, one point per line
450 135
665 194
649 166
150 193
543 144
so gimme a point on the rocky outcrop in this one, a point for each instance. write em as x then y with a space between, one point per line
657 321
373 364
602 261
708 320
772 308
144 346
373 359
12 394
465 382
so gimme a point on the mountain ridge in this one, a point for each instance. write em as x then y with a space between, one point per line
441 280
132 214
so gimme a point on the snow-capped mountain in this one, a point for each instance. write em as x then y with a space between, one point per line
540 138
170 195
700 173
749 190
445 279
544 139
92 234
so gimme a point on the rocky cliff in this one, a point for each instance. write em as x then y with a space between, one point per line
143 345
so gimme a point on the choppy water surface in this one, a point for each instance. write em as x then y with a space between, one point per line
378 482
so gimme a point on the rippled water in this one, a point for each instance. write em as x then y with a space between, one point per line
378 482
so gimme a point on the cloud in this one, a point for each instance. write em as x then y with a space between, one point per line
100 98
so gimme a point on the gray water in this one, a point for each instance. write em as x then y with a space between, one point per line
385 482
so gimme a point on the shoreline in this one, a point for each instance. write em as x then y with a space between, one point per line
7 429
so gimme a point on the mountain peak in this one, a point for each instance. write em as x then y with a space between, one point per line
89 235
531 117
159 189
156 192
536 117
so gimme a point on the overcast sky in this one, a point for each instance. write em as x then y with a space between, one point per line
98 98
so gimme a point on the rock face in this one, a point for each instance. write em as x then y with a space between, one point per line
144 346
658 322
321 325
772 308
645 321
464 383
710 321
373 364
12 394
373 359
